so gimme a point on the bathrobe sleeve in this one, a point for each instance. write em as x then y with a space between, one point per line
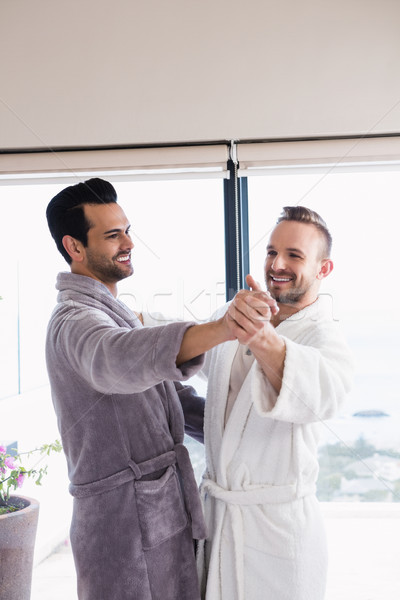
193 411
122 360
156 318
317 377
204 372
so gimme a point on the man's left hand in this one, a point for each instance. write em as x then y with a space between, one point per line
250 312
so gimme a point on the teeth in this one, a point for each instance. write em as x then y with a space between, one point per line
123 258
281 278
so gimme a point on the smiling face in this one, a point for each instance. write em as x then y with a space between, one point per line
107 256
295 265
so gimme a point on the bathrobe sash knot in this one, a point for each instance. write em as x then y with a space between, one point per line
233 501
135 471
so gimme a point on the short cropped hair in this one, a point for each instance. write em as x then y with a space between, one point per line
65 213
306 215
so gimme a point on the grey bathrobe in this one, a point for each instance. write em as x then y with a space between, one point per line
136 505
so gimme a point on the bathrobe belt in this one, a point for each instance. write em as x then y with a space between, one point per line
233 501
179 455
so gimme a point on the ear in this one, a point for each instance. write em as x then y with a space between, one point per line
73 247
326 268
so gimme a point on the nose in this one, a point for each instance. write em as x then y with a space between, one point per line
278 264
127 242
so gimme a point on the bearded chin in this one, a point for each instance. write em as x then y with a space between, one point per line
288 296
291 297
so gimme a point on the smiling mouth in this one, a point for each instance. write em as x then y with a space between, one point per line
280 279
124 258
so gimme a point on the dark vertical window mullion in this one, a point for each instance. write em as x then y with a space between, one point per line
236 231
244 228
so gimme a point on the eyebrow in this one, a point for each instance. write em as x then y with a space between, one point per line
271 247
112 231
117 230
295 250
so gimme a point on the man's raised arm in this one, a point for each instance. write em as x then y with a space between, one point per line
200 338
249 317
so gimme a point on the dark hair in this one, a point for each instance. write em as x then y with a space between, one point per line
65 214
306 215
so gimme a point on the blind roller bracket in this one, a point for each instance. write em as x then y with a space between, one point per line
233 152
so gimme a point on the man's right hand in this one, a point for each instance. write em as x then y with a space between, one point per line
250 312
246 318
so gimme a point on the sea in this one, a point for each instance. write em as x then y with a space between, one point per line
371 412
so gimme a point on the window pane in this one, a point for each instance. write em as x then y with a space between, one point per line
360 449
179 255
179 261
28 262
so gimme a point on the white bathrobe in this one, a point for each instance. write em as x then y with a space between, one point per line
266 536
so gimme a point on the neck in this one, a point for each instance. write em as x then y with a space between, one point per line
79 270
287 310
112 287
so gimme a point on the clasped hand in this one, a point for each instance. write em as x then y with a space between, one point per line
250 312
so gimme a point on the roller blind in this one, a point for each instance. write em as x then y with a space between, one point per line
148 73
326 155
117 165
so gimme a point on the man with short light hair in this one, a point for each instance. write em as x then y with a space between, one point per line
268 391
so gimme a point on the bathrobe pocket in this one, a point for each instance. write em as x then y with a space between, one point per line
160 508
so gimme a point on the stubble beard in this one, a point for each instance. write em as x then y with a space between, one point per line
292 296
106 270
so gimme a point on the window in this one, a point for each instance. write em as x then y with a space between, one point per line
28 263
179 256
179 261
179 264
360 449
178 231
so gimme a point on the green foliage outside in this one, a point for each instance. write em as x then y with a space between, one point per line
334 460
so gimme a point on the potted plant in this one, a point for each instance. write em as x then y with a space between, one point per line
18 521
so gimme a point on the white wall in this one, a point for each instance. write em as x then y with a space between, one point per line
104 72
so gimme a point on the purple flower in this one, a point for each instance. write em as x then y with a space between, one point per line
3 450
9 461
20 479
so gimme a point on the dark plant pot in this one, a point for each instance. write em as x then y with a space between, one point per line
17 542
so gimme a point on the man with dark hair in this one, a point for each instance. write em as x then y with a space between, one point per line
268 390
65 213
136 504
